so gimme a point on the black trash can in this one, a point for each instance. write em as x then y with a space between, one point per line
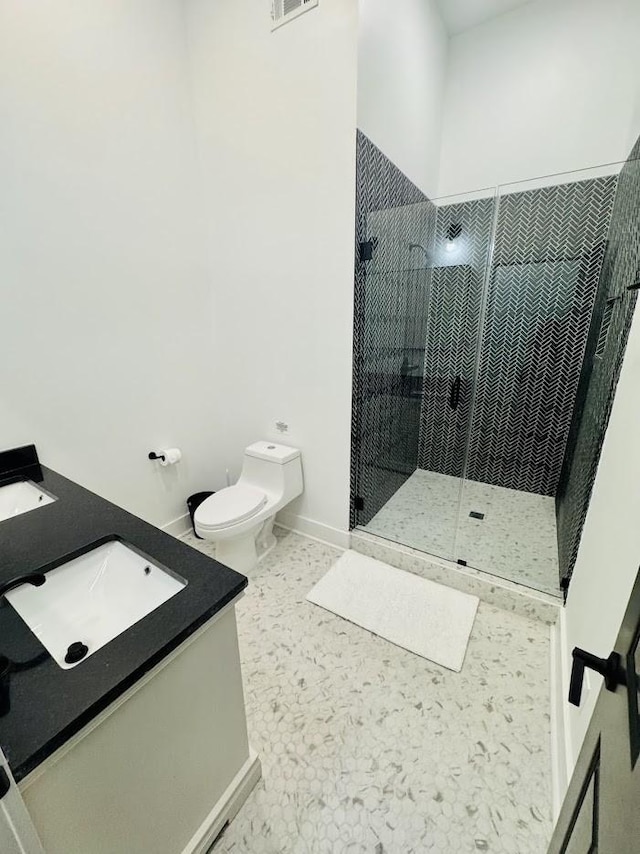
193 502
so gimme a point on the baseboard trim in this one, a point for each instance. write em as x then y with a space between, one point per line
178 527
227 807
558 735
565 677
291 521
561 744
314 530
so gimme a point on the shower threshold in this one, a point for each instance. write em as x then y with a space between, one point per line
504 532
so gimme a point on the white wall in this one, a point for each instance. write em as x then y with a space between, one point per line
634 129
276 117
548 87
104 297
609 555
402 55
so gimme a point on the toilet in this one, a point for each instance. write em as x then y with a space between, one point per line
239 519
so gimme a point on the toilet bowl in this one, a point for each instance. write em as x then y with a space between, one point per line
239 519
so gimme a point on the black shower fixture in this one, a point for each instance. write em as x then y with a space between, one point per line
454 230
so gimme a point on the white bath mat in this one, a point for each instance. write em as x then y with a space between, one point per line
424 617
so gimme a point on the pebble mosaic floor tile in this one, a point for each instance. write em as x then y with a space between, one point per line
516 539
368 748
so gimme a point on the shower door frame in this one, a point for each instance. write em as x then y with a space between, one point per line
484 299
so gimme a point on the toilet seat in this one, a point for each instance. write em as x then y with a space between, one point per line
230 506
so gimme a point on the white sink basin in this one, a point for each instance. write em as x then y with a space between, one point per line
93 598
20 497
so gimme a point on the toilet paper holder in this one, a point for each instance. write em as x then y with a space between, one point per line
166 456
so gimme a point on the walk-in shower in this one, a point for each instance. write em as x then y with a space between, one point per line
489 330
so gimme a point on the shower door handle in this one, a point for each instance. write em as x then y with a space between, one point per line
454 394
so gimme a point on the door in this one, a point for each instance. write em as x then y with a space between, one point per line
17 833
461 259
391 306
601 811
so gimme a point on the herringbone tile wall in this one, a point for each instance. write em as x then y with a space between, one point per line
543 281
548 254
620 270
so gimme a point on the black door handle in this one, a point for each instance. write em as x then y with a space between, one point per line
454 394
611 668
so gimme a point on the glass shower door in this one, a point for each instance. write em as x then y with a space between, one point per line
550 239
421 287
460 256
392 292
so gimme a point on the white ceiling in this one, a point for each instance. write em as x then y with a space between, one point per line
459 15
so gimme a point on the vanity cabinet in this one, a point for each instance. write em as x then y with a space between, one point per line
163 768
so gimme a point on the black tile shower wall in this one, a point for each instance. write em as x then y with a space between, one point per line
621 269
542 286
391 287
548 254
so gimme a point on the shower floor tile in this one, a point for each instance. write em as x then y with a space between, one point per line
516 538
369 749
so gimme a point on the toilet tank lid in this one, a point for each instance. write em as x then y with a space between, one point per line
274 453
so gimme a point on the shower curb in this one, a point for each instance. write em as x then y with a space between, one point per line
488 588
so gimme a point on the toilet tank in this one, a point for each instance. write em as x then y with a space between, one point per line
277 469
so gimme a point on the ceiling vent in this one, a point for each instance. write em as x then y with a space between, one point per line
283 11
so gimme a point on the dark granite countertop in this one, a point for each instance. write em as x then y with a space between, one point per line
47 703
